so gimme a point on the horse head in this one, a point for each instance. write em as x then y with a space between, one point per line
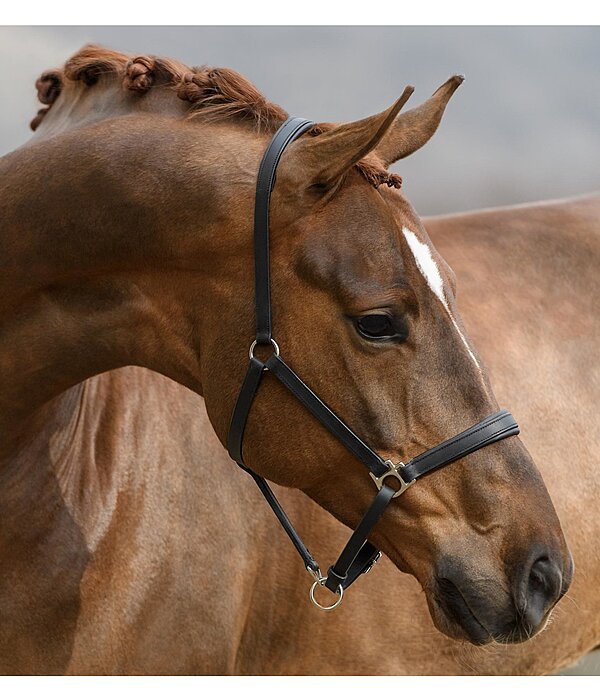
153 265
365 308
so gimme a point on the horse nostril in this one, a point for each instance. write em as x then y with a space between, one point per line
537 580
542 589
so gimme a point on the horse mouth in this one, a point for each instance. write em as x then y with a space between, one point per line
460 621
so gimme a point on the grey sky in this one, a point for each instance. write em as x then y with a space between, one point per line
525 125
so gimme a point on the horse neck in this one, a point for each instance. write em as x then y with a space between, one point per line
78 106
110 251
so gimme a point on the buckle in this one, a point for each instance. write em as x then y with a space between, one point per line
393 471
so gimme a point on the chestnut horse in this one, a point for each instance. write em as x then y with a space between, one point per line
127 241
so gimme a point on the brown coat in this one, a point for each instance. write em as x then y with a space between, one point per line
131 543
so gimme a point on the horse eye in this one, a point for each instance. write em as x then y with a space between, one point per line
376 327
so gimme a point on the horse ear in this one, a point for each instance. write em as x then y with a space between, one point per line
413 129
322 160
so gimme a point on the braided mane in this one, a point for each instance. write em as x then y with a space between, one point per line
212 93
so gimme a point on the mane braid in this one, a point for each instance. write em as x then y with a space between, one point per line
217 93
213 93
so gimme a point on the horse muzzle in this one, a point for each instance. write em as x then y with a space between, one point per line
508 610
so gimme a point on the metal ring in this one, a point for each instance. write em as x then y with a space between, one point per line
314 601
255 343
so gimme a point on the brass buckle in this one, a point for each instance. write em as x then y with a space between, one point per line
393 470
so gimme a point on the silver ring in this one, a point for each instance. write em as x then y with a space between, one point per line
314 601
255 343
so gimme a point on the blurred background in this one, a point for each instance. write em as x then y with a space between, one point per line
524 126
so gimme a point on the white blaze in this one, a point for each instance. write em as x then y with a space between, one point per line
431 272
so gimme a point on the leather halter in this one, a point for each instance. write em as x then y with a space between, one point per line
359 555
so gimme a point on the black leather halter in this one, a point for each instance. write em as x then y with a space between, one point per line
359 554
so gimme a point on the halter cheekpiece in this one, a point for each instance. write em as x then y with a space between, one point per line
359 555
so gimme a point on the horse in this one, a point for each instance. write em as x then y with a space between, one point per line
127 242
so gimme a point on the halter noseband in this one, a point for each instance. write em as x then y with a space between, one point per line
359 555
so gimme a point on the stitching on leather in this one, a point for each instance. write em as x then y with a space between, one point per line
332 422
339 428
241 412
430 453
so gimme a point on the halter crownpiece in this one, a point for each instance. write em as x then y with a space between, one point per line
359 555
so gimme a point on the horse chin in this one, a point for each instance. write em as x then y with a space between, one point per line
464 628
458 621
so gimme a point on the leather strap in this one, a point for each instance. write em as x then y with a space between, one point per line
307 557
290 130
340 573
235 437
491 429
326 416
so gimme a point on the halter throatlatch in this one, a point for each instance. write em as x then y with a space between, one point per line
359 555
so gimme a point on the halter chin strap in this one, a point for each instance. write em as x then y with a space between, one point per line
359 555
